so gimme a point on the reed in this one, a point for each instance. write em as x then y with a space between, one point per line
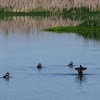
89 29
50 5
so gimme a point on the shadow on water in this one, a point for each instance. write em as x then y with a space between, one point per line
90 35
69 74
7 80
78 78
81 78
26 24
71 67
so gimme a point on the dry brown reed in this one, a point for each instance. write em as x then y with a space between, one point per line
45 5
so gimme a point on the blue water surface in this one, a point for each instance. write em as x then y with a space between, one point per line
20 53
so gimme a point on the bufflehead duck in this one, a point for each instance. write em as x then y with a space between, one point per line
71 64
6 76
80 69
39 66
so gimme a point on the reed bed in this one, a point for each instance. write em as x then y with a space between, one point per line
47 5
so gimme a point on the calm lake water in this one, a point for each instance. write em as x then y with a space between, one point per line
23 45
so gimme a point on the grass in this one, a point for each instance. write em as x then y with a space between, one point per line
89 25
8 11
80 10
88 29
73 29
24 13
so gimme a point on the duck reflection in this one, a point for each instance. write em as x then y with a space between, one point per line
80 78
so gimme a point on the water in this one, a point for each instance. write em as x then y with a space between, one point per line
22 47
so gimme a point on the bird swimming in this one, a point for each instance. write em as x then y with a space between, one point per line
80 69
71 64
39 66
6 76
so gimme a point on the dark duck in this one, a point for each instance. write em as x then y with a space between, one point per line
6 76
80 69
71 64
39 66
